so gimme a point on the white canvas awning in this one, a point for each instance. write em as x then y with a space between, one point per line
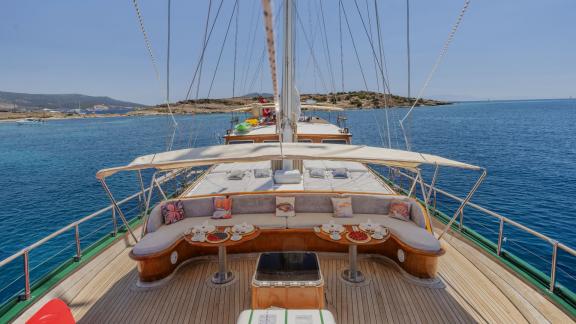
210 155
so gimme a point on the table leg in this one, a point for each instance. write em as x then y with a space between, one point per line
352 274
223 275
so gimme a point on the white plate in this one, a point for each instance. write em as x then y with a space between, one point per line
369 227
333 228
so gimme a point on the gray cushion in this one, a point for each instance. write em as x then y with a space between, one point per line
314 203
340 173
253 204
200 207
155 219
262 173
236 175
364 204
317 173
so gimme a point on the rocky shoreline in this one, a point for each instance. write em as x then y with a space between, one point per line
347 100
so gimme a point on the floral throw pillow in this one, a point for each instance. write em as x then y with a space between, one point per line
342 207
285 206
400 209
222 207
172 212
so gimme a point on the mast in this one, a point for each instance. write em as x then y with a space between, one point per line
289 97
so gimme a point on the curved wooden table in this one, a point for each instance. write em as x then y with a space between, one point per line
352 274
223 275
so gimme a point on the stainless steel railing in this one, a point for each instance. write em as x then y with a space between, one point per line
25 252
502 220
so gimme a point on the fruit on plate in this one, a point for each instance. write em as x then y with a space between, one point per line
217 237
358 236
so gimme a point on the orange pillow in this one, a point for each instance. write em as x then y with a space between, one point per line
222 207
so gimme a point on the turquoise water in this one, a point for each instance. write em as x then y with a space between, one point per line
47 172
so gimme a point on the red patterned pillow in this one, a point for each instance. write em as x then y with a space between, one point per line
173 212
400 209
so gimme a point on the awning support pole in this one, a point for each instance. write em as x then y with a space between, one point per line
413 187
146 214
143 192
464 202
120 213
426 195
160 189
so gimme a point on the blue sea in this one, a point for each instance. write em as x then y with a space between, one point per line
47 172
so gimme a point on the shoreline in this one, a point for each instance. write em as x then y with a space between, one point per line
15 117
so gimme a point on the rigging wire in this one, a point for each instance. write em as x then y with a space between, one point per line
203 44
150 51
174 123
311 48
203 52
235 51
328 56
436 64
354 44
222 48
341 49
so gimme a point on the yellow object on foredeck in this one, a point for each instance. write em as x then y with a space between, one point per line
252 121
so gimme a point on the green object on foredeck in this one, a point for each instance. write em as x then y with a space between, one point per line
242 127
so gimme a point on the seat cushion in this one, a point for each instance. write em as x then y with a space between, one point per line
166 235
406 231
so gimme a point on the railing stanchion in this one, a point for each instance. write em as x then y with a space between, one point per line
461 219
27 291
553 267
500 236
114 223
78 247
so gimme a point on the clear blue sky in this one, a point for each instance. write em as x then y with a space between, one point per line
504 49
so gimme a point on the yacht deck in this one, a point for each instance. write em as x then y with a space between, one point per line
472 288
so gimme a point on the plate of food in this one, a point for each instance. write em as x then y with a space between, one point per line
358 237
217 237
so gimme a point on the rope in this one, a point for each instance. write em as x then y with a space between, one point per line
311 48
436 64
269 28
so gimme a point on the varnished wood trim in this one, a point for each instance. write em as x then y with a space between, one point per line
417 263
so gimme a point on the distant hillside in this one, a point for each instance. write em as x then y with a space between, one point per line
12 101
346 100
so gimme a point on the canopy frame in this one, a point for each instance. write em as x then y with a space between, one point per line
218 154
